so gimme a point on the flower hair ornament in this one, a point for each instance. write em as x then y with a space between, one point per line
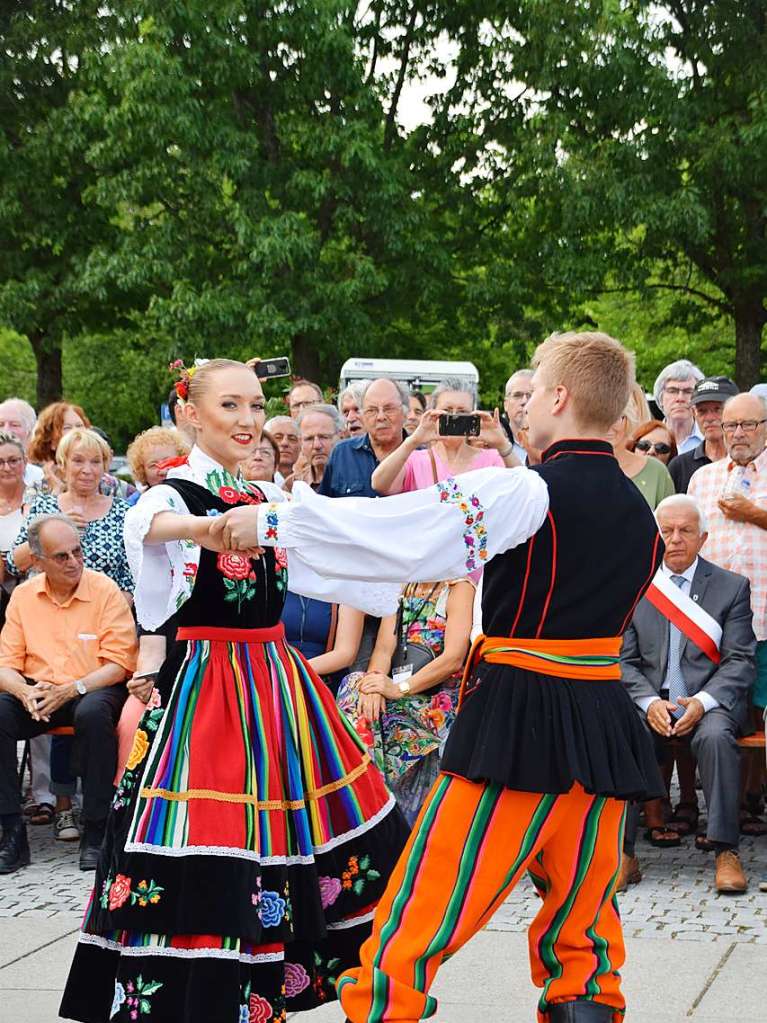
185 375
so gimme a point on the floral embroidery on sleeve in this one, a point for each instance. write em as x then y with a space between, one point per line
475 533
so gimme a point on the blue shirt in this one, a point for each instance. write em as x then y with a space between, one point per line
351 464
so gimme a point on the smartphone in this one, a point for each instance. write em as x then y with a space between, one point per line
146 674
459 424
268 369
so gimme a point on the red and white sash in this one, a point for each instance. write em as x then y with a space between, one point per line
690 618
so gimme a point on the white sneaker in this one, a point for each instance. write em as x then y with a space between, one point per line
65 827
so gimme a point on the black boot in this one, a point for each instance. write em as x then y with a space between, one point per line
580 1012
14 848
90 846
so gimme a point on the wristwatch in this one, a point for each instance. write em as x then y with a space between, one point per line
404 687
81 687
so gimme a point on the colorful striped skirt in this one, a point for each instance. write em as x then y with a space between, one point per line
249 841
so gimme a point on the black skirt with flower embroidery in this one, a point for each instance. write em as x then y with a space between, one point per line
250 837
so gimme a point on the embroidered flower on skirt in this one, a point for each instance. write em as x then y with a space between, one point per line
259 1010
296 979
330 889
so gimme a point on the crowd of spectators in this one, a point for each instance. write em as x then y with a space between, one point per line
71 655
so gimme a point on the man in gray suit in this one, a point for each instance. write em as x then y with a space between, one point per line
659 663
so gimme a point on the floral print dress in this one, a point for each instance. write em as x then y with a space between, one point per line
407 741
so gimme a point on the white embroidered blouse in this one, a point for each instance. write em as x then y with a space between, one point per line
347 550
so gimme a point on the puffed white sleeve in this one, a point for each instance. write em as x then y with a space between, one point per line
163 573
442 532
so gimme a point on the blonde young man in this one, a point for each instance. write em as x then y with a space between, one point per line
547 746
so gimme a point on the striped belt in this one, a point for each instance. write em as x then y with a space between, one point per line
581 659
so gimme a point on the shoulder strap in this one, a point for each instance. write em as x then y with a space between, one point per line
433 461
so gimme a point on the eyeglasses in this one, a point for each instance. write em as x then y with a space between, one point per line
746 425
659 446
76 554
387 411
680 392
265 452
519 395
10 463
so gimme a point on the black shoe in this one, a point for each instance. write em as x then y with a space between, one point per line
14 848
580 1012
90 846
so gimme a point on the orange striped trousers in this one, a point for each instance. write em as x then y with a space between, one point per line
469 847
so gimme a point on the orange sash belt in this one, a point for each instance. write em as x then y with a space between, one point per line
582 659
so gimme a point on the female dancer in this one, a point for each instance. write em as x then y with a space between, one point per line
250 836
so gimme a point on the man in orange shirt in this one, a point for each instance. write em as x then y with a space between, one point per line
68 643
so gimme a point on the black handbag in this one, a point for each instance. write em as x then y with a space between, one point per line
416 654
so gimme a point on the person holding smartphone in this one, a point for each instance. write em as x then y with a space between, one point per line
428 456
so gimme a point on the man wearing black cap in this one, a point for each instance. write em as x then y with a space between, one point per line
707 403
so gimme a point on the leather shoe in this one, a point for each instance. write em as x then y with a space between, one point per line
629 873
90 846
14 849
730 879
581 1011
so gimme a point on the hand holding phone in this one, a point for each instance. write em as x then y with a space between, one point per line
269 369
459 424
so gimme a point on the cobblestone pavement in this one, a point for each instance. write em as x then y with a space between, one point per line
675 899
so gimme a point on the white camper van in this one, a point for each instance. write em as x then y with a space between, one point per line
417 374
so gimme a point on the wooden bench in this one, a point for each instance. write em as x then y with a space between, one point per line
755 741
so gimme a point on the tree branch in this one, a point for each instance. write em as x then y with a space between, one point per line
391 127
723 307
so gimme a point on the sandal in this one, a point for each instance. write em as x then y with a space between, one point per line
43 813
703 844
684 819
752 825
662 837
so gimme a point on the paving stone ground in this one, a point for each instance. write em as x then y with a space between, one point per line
676 898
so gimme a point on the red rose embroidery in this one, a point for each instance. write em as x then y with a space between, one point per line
281 557
119 893
233 565
190 569
260 1011
229 495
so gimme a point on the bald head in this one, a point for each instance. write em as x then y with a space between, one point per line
744 422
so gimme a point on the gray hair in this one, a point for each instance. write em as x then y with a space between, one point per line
682 369
326 410
402 390
275 420
36 526
11 438
452 384
26 412
355 390
683 501
529 373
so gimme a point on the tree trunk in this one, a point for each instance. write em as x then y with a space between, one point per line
750 317
306 359
50 385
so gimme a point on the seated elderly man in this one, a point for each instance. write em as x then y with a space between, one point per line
320 428
688 661
69 641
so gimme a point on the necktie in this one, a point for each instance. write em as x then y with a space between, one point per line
674 679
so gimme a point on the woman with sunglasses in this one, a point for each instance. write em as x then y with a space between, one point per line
654 439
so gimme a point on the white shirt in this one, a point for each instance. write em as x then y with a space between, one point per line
691 442
32 474
706 699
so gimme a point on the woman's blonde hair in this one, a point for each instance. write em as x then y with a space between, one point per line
202 374
88 441
142 444
637 411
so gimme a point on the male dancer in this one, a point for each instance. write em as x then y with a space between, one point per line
546 747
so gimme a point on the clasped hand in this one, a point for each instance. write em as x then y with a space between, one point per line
375 689
235 530
660 720
43 699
